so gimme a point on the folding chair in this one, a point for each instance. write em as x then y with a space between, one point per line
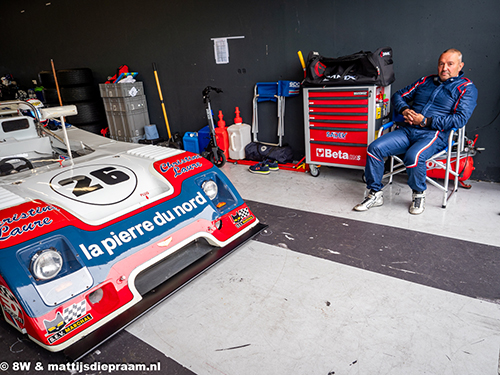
453 152
275 92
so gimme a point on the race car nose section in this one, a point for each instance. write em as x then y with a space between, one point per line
153 276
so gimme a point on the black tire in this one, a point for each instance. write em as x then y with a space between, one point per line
79 94
46 79
88 112
75 77
70 94
221 158
50 96
67 78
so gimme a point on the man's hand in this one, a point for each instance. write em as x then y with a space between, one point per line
412 117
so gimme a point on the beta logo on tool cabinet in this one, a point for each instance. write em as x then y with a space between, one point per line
345 155
327 153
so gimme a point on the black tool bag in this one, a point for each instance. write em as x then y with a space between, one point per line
362 68
258 152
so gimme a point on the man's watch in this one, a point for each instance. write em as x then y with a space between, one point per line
423 124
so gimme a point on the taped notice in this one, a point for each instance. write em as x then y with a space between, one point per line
221 49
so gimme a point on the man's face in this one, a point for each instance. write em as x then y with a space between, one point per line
449 65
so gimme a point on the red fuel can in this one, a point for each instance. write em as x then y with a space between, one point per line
222 136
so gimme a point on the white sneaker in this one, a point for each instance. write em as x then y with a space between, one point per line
373 199
417 202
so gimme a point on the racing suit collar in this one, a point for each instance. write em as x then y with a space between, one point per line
449 80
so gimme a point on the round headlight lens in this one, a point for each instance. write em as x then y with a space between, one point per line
210 189
46 264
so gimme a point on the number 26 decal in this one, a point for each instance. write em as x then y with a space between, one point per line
108 176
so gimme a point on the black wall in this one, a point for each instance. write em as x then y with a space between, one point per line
103 35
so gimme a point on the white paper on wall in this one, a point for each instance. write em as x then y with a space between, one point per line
221 49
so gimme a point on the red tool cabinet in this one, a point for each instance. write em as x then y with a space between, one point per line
340 122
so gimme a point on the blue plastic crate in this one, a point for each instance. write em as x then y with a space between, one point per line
190 141
203 138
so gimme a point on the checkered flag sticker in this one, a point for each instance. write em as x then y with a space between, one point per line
241 217
244 212
74 311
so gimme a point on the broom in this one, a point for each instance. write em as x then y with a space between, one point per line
171 142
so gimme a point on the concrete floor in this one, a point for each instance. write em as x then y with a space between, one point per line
471 215
326 290
271 310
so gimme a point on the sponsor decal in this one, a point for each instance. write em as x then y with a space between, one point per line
179 166
327 153
80 322
385 53
72 317
53 326
241 217
74 311
11 307
347 77
431 164
293 88
9 226
319 68
336 135
115 240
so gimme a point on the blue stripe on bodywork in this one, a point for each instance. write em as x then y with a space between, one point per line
183 209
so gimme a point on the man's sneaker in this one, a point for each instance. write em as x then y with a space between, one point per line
260 168
273 165
417 202
373 199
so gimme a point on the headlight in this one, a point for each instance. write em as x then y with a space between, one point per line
46 264
210 189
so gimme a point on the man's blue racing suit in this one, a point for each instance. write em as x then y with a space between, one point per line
446 105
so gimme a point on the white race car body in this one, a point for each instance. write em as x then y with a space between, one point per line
111 224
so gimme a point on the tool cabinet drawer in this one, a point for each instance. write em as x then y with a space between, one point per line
342 135
338 110
361 93
332 153
347 117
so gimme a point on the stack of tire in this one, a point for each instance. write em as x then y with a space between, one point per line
76 87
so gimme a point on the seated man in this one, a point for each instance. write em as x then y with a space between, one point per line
431 107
